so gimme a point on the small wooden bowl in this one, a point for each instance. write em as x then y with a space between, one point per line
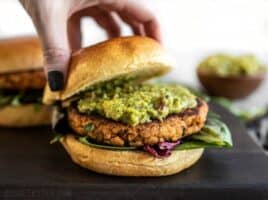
232 87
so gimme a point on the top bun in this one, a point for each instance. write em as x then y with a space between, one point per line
20 54
141 57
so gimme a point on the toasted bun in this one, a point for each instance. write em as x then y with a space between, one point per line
139 56
25 116
128 163
20 54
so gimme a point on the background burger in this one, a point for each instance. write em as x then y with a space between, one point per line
111 121
22 81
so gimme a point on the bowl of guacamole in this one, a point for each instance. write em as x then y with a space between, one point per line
228 65
231 76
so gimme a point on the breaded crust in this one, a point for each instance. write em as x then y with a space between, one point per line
34 79
172 128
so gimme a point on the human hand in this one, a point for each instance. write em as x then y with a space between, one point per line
58 26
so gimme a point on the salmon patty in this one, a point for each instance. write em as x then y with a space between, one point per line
172 128
23 80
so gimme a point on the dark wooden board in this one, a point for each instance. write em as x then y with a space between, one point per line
31 168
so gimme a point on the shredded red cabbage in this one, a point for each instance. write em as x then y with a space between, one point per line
162 149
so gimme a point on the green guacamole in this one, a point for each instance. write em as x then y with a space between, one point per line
227 65
133 103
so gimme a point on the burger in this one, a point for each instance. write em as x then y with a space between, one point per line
112 119
22 81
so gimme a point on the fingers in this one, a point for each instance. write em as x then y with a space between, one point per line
51 25
108 22
50 20
136 27
103 18
74 32
56 51
136 16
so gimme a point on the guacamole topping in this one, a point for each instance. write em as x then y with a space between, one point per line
228 65
133 103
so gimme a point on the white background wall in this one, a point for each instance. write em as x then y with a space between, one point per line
191 30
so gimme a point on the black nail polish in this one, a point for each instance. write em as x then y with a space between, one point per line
55 80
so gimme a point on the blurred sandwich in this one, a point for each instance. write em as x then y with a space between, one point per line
22 81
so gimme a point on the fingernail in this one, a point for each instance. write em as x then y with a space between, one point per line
55 80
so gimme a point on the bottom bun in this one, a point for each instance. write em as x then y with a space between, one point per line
128 163
25 115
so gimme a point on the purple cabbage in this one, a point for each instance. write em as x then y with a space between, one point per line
162 149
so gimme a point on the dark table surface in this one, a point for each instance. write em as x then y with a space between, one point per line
31 168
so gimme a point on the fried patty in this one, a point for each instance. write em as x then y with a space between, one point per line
172 128
23 80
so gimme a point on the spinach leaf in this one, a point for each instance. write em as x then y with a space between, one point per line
16 98
194 145
214 134
213 115
85 140
4 100
56 138
16 101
